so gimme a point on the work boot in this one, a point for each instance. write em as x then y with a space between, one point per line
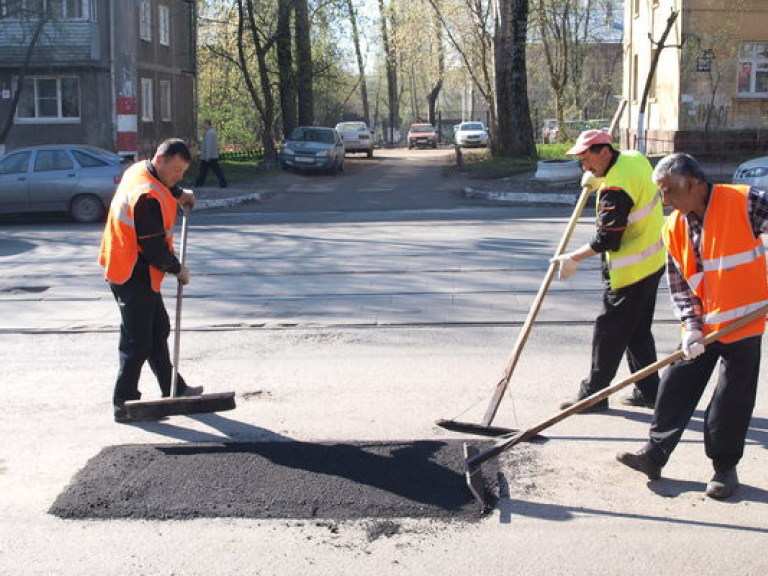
723 484
191 391
636 398
642 461
601 406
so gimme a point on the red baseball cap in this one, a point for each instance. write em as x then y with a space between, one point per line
589 138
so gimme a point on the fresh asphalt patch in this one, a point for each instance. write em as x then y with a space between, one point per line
292 480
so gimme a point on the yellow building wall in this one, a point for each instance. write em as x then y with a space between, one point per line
691 102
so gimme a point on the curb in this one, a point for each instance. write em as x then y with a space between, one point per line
210 203
523 198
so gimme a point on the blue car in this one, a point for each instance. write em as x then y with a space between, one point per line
313 148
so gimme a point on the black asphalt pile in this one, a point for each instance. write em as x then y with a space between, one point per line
419 479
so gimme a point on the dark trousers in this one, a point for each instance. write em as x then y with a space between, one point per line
624 327
213 164
144 331
726 419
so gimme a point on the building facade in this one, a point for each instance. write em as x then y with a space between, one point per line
709 93
118 74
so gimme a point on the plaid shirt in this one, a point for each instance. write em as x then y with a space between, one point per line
686 304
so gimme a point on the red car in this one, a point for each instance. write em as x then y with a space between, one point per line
422 135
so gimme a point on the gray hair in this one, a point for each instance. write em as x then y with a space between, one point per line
679 164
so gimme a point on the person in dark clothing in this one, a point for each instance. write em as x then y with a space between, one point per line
209 156
137 252
628 239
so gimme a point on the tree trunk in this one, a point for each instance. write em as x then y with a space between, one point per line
287 76
360 63
391 67
8 123
304 71
515 132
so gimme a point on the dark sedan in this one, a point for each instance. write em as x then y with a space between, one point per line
313 148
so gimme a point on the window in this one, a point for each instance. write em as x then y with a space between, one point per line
146 100
88 161
752 76
58 9
16 163
165 100
49 160
46 99
145 20
164 25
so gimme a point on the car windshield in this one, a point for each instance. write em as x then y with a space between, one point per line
471 126
312 135
422 128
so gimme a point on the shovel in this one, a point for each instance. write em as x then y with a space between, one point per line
484 427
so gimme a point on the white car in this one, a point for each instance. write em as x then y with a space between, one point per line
357 137
753 172
471 134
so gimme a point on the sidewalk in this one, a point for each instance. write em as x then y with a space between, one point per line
209 197
524 189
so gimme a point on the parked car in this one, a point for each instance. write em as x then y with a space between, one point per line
422 135
471 134
313 148
356 136
753 172
80 180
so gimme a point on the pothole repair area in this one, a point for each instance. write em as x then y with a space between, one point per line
296 480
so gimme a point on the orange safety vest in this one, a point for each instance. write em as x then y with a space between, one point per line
732 281
119 245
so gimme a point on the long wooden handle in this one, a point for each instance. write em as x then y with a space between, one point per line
522 336
506 443
179 297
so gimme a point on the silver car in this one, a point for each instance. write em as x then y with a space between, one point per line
313 148
79 180
357 137
471 134
753 172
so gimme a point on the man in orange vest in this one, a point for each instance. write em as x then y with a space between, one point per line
716 272
137 252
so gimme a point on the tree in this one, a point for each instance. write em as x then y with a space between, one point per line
515 131
360 62
393 102
34 21
286 73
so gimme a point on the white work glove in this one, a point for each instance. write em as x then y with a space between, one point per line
692 344
566 264
183 275
590 181
186 199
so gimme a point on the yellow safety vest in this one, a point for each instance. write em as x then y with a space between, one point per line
642 251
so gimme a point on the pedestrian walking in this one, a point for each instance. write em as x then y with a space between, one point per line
628 239
137 252
716 272
209 156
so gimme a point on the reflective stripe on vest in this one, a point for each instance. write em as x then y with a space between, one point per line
641 252
732 280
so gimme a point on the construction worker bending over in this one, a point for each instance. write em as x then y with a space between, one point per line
628 239
716 272
137 252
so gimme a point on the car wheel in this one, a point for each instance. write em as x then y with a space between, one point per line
86 209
